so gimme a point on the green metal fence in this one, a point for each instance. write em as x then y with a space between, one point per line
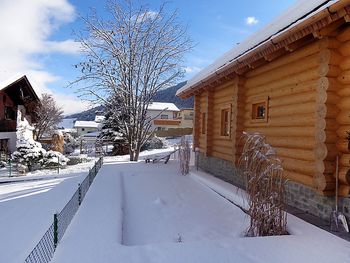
44 250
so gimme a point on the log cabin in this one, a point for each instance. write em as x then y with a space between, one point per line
15 95
290 81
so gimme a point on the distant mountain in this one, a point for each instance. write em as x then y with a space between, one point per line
168 95
165 95
88 115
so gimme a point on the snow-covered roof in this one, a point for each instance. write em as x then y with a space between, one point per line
67 123
163 106
86 124
293 16
99 118
16 78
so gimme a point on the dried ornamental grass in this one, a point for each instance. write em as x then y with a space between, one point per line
265 187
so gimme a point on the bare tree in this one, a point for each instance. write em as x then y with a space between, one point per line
48 115
128 58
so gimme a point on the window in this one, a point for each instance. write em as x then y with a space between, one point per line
259 111
164 117
10 114
225 122
204 122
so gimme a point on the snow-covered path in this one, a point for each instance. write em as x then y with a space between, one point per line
136 212
26 212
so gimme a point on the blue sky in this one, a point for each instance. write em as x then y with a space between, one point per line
41 43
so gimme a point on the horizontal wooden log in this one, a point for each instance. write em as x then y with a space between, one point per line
343 146
320 136
345 63
299 178
344 175
331 125
298 166
331 137
345 160
344 35
344 48
300 154
343 117
281 91
297 98
302 65
342 131
295 142
300 77
344 91
223 156
344 77
306 51
324 182
289 110
289 121
320 151
329 84
344 190
344 103
329 70
332 152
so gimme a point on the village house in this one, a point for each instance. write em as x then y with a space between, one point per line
186 117
91 127
15 96
290 81
165 115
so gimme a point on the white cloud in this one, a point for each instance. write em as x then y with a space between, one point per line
25 31
251 20
192 70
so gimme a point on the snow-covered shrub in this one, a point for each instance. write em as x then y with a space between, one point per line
154 143
52 158
29 153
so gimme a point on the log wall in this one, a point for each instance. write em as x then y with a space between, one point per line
301 111
342 87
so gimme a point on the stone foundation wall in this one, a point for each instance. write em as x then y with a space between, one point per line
298 195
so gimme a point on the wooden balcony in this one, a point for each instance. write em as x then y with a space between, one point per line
7 126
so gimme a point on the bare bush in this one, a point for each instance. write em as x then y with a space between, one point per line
265 187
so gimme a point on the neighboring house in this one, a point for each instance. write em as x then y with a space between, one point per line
84 127
165 114
15 96
289 81
186 118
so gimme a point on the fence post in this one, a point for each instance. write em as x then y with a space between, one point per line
58 164
55 230
79 193
10 167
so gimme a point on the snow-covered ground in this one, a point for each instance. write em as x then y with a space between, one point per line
137 212
26 212
46 173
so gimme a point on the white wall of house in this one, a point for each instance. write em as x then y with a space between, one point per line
165 115
84 130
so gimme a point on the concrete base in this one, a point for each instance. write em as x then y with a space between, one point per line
298 195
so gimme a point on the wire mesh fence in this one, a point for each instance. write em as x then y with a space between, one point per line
44 250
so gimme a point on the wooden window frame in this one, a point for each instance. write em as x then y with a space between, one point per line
203 123
254 110
225 110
